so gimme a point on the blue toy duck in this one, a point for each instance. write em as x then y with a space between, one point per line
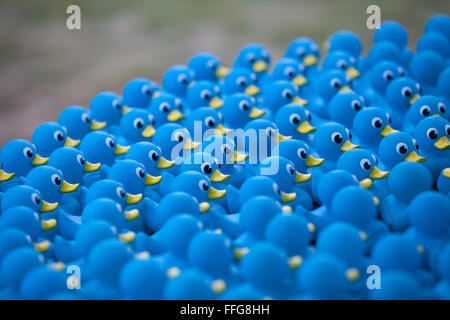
254 57
383 50
442 289
107 109
77 120
26 196
398 147
136 126
434 41
177 79
207 121
426 67
150 156
289 70
438 23
299 153
206 164
344 40
443 84
189 284
425 106
138 93
204 93
50 136
443 183
370 126
42 282
344 106
295 121
101 147
166 108
238 109
341 60
432 134
305 51
240 80
280 93
207 66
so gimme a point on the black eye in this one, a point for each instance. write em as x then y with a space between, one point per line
146 90
290 169
365 164
388 75
425 111
209 121
402 148
85 118
287 94
58 135
203 185
432 133
180 138
294 118
56 179
302 153
205 94
226 149
36 198
406 91
308 114
335 83
441 107
341 64
179 104
28 153
140 172
388 117
206 168
120 192
81 160
110 143
138 123
348 133
336 137
377 123
270 132
116 105
401 72
447 127
251 57
416 145
356 105
153 155
244 105
164 107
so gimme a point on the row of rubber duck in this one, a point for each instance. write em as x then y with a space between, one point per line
362 149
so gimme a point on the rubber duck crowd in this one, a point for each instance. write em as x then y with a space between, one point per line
99 206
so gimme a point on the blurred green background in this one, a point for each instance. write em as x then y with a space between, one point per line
45 67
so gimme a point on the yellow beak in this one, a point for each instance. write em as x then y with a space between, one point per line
310 60
127 237
126 109
299 80
131 214
345 89
288 197
91 167
352 274
133 198
414 157
151 180
446 172
387 130
191 145
41 246
68 187
294 262
47 206
222 72
203 206
6 176
301 177
365 183
220 129
256 113
376 201
352 73
48 224
280 138
348 146
378 174
121 150
313 162
218 176
71 142
163 163
260 66
96 125
414 98
300 101
240 252
155 94
148 132
175 115
305 127
216 103
443 143
238 157
216 194
38 160
252 90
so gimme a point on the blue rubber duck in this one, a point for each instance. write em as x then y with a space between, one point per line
42 282
443 84
305 51
107 109
391 31
382 50
50 136
113 190
77 120
397 285
299 153
341 60
383 73
254 57
406 180
189 284
12 239
443 183
238 109
442 289
295 121
5 176
400 95
344 40
425 106
438 23
101 147
207 66
362 164
280 93
19 157
26 196
204 163
142 279
150 156
166 108
177 79
370 126
344 106
204 93
331 140
136 126
240 80
398 147
290 70
206 120
138 93
434 41
432 134
426 67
